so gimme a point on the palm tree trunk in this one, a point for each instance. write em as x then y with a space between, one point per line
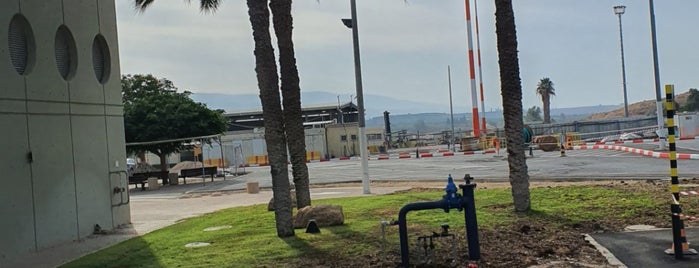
267 81
291 93
512 103
547 108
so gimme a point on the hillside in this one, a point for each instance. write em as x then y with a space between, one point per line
437 122
375 104
410 115
643 108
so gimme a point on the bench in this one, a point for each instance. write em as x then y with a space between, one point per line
141 178
194 172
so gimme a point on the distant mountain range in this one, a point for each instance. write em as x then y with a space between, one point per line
375 105
437 122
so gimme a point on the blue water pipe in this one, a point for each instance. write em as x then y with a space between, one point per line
451 200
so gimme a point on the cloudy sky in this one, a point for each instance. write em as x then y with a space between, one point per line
406 47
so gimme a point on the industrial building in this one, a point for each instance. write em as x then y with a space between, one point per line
63 155
331 131
313 116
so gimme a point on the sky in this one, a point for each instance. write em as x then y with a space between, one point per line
406 47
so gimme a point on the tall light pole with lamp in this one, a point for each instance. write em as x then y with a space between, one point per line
619 10
656 74
352 24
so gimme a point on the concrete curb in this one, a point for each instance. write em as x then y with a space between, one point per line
636 141
636 151
391 156
427 155
588 145
611 259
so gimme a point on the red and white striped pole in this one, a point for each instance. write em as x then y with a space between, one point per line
484 129
472 72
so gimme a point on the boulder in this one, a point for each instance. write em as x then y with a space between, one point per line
270 206
324 215
547 143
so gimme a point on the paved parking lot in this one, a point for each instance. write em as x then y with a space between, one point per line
578 164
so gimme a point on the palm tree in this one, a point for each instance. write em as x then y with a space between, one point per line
545 89
268 83
291 93
511 92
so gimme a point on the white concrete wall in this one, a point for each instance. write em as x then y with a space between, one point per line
687 124
375 131
337 147
73 129
253 143
16 200
315 141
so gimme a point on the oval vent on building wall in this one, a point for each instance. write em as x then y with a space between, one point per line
66 52
21 44
100 58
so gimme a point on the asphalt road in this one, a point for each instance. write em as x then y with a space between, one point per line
578 164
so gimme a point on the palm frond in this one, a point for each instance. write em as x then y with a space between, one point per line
208 5
204 5
141 5
545 87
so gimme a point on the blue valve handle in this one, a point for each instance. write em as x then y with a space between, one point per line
452 197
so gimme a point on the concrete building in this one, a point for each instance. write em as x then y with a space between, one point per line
331 131
687 125
245 135
343 141
63 155
249 147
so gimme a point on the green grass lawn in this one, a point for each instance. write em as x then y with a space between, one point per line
252 242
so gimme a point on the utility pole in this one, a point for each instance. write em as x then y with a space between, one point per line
656 74
352 23
619 10
451 111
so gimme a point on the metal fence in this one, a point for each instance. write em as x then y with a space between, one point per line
233 155
598 129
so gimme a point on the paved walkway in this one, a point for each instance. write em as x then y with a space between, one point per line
152 210
647 248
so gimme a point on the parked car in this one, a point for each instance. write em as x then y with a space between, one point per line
130 162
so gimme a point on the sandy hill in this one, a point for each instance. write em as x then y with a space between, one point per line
643 108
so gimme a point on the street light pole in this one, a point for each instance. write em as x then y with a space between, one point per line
656 74
451 111
352 23
619 10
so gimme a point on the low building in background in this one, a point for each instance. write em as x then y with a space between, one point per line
331 132
344 142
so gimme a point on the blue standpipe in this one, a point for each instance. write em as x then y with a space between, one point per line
469 206
451 200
